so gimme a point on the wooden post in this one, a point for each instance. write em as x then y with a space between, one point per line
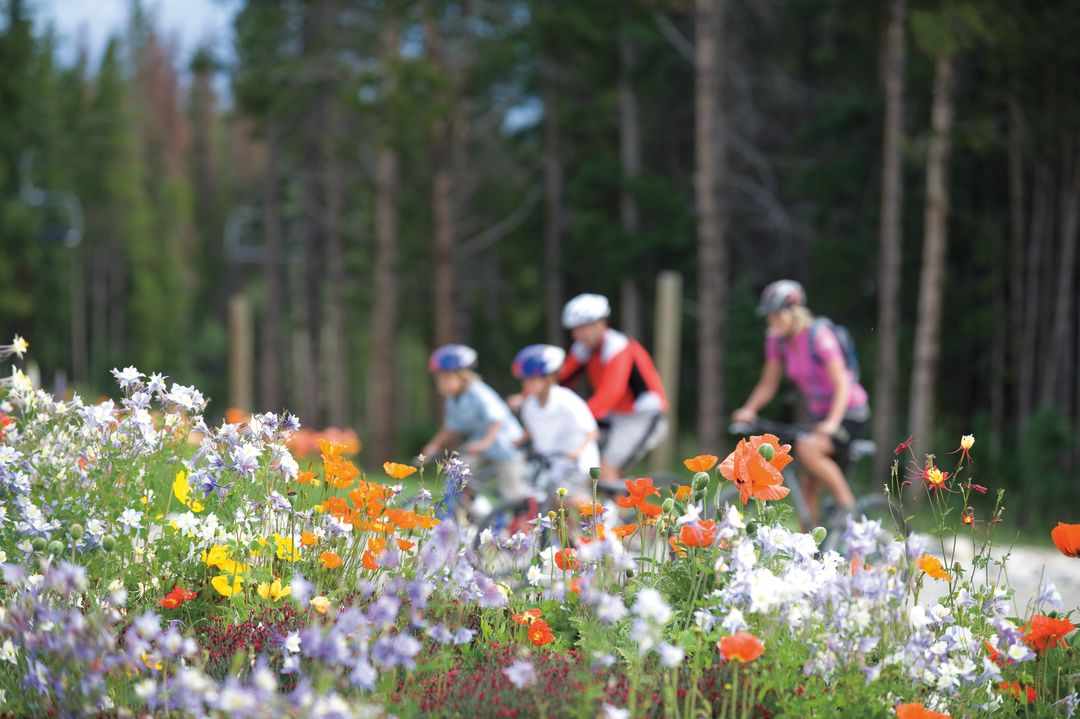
668 335
241 353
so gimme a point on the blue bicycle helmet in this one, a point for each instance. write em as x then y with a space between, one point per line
538 361
451 357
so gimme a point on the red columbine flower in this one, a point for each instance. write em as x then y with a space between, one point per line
741 647
540 633
968 517
977 487
1046 633
904 445
1067 538
934 476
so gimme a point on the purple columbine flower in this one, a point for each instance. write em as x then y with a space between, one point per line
521 674
392 651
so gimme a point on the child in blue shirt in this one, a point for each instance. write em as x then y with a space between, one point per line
477 422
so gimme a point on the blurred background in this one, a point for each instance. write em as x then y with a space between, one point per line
287 203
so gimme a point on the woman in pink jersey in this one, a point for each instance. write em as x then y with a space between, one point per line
811 356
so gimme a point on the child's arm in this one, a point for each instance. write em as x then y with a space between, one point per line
486 441
576 452
443 439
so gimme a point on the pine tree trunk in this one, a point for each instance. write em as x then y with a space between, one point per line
630 159
710 168
1056 392
337 396
887 377
384 319
444 151
1018 358
1033 261
270 357
932 278
553 208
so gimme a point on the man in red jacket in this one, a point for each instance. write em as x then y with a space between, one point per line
628 395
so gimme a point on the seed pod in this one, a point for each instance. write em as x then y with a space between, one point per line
75 531
767 451
819 534
56 547
108 543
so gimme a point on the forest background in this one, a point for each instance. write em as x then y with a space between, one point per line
375 177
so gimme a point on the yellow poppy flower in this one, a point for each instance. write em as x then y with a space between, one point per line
182 491
227 584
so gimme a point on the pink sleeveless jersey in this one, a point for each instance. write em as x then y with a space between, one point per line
810 375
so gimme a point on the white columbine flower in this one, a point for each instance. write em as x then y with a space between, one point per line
650 605
8 652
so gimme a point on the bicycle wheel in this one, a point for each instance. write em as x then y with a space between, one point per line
509 546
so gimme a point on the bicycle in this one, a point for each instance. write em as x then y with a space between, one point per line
873 505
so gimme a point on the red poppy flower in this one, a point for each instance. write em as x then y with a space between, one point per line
1046 632
698 534
683 493
177 597
540 633
755 468
1067 538
916 710
638 490
566 560
527 617
1018 691
741 647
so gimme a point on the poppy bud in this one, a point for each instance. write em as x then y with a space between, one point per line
751 527
56 547
108 542
75 531
701 479
767 451
594 472
819 534
668 505
38 544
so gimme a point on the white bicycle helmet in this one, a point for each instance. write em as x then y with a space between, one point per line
781 295
584 309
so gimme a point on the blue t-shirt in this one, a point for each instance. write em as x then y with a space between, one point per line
472 412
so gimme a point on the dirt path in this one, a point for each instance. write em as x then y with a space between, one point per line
1025 567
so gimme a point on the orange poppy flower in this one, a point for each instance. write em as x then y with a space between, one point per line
527 617
575 585
701 463
683 493
368 560
651 511
377 544
540 633
330 452
741 647
335 506
1067 538
916 710
752 473
398 471
330 560
932 566
677 547
589 509
698 534
566 560
1045 632
405 545
305 477
1018 691
340 474
638 490
624 530
308 539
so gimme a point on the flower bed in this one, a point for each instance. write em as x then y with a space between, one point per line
155 565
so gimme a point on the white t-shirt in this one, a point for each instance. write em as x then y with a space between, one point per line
560 426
